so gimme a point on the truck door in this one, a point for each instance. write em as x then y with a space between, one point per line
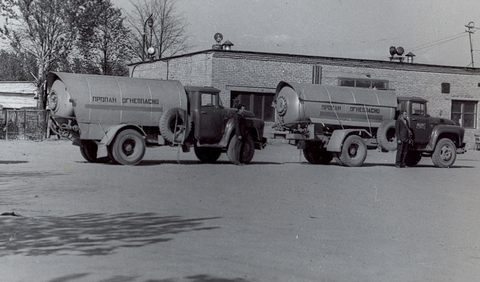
420 123
209 127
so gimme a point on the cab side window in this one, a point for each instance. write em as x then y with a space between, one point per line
418 109
209 100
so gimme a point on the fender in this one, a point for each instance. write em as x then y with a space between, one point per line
110 135
228 132
229 127
256 126
449 130
336 140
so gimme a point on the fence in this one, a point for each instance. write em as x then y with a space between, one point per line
25 124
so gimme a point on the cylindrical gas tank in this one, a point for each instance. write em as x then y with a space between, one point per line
289 108
59 100
112 100
299 104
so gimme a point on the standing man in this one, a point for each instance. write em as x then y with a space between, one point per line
403 133
240 133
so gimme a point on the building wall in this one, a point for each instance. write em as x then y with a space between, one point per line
195 70
261 72
254 76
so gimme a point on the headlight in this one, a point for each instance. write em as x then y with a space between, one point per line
52 101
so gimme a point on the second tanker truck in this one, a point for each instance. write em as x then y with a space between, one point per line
343 122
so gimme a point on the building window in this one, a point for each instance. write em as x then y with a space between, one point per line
445 88
316 75
364 83
464 113
258 103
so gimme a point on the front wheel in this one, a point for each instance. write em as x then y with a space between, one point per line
248 150
207 154
316 154
354 151
128 148
412 158
445 153
88 149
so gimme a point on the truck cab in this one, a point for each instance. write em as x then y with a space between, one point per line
213 122
418 119
437 137
426 129
207 113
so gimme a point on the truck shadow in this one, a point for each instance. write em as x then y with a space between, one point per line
413 167
91 234
13 162
195 278
192 162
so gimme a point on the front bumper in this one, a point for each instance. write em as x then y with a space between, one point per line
462 149
261 144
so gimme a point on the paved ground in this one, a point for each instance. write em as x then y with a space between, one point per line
172 218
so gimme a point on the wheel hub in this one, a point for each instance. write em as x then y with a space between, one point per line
281 106
446 153
352 150
128 147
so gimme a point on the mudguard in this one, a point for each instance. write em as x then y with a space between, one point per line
110 135
336 140
446 130
227 133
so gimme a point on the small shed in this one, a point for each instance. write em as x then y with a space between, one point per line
19 117
17 95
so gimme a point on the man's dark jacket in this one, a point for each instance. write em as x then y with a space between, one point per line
401 130
240 125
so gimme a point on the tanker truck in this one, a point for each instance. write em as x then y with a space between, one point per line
114 119
329 122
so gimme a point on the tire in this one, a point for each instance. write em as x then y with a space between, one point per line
354 151
89 152
336 156
445 153
413 158
128 148
386 135
174 125
316 154
207 154
248 150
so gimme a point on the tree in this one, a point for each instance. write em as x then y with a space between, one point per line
45 30
168 33
103 43
13 66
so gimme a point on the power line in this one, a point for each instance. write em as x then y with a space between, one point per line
439 41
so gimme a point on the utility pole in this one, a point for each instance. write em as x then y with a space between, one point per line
471 29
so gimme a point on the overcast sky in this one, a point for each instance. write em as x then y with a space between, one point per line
434 30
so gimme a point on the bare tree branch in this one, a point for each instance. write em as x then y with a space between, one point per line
169 28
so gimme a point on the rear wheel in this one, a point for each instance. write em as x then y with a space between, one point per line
337 158
445 153
128 148
207 154
354 151
248 150
89 152
316 154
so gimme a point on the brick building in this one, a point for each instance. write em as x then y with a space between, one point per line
251 78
